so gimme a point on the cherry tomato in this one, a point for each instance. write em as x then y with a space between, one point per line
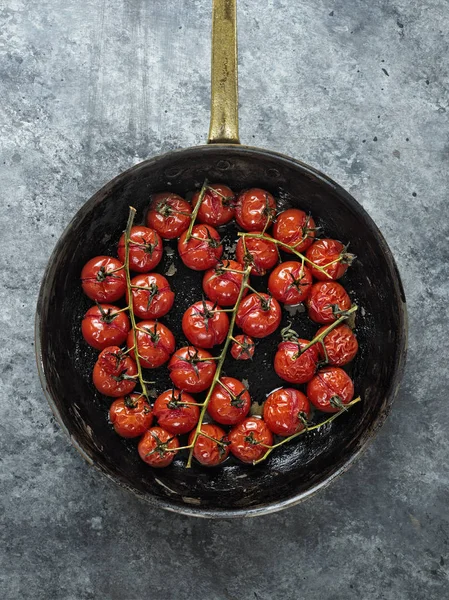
290 282
217 207
223 286
131 416
155 346
260 253
169 215
204 325
286 411
330 389
295 228
210 452
243 347
158 447
255 209
229 402
114 373
258 315
103 325
326 251
152 296
190 371
176 411
249 439
340 343
296 368
145 249
103 279
203 250
326 301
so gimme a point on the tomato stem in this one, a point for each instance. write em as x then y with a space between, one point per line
196 209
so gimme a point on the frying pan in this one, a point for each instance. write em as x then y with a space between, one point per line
296 470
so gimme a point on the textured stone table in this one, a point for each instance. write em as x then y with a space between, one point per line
359 90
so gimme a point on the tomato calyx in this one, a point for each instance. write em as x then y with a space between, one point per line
250 439
176 402
245 348
346 258
268 211
107 316
130 402
154 290
153 333
192 360
225 200
288 334
296 281
161 447
123 376
337 312
302 416
337 402
206 313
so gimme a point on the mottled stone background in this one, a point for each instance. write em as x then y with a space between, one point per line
357 89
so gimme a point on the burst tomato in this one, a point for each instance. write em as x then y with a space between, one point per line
217 207
169 215
131 415
152 296
290 282
158 447
145 249
155 344
190 370
176 411
332 253
260 253
229 402
114 373
255 209
291 365
103 279
327 301
204 325
294 228
341 345
103 325
243 347
210 452
286 411
330 389
249 439
203 250
258 315
222 285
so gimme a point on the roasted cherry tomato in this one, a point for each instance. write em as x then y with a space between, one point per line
114 373
255 209
131 416
190 370
330 389
145 249
217 207
204 325
210 452
103 325
260 253
158 447
327 301
291 365
286 411
340 343
332 253
229 402
258 315
249 439
152 296
243 347
203 250
155 346
169 215
290 282
103 279
176 411
222 285
294 228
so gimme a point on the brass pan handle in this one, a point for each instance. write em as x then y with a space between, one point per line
224 123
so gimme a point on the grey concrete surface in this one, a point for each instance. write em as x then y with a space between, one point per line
357 89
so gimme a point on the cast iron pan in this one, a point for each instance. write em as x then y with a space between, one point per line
65 362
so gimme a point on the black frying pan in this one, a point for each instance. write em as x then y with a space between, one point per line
296 470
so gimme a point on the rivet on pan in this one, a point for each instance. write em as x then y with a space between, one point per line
173 172
273 173
223 165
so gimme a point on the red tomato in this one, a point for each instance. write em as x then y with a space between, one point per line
293 368
341 345
158 447
145 249
327 301
258 315
155 346
249 439
223 286
290 282
323 252
210 452
103 325
261 254
131 416
217 207
286 411
243 347
255 209
114 373
190 371
176 411
169 215
204 325
330 389
295 228
103 279
152 296
203 250
229 402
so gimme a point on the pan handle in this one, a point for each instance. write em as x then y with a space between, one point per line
224 121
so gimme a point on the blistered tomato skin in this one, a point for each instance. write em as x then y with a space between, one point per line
169 215
103 325
210 452
341 345
229 402
155 343
176 411
204 325
114 373
260 253
217 207
286 411
255 209
243 347
156 447
290 282
103 279
222 285
326 251
201 251
294 228
258 315
249 439
152 295
190 370
293 368
330 389
130 415
145 249
326 301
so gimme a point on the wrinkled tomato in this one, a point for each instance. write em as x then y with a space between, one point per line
176 411
291 365
242 347
104 325
217 207
290 282
152 296
145 249
260 253
103 279
114 373
229 402
255 209
332 253
258 315
204 325
158 447
190 369
169 215
286 411
341 345
294 228
222 283
250 439
210 452
131 415
330 389
327 301
155 344
203 250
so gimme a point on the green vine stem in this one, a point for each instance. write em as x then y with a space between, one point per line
196 209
